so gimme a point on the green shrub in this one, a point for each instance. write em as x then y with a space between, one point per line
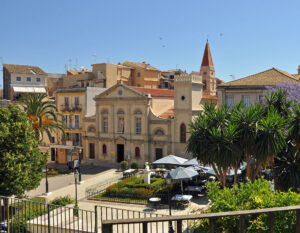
62 201
249 196
124 165
160 166
135 165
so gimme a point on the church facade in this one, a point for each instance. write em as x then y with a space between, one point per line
145 124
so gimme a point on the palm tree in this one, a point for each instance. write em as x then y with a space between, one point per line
287 167
246 119
43 113
213 140
271 139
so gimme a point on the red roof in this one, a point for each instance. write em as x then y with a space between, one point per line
156 92
168 114
211 97
207 58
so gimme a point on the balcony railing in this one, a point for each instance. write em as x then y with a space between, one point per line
71 143
71 108
107 225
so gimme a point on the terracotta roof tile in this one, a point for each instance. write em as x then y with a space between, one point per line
211 97
23 69
142 65
156 92
266 78
168 114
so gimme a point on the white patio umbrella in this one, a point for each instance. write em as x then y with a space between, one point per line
191 162
170 160
181 174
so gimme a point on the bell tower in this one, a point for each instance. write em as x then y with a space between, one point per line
207 71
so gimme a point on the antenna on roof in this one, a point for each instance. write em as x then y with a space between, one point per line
76 63
70 63
66 68
95 57
232 76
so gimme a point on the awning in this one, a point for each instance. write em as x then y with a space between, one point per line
30 89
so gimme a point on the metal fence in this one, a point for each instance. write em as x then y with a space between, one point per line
24 216
20 215
109 213
100 187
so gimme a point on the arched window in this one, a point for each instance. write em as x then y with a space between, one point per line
182 133
137 152
159 132
91 128
120 111
104 111
137 112
104 151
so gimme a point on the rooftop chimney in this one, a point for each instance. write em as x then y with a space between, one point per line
299 69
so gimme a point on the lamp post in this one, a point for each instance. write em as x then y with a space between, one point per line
47 184
79 159
169 180
76 176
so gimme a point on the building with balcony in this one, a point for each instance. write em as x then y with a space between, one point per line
74 104
144 124
19 80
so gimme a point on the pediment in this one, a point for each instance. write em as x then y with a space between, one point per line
120 91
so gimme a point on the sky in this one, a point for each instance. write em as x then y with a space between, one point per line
245 36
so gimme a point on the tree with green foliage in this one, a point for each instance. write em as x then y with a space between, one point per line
21 161
246 119
213 140
43 113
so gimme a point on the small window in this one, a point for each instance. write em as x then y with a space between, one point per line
28 79
159 132
38 79
183 97
138 112
104 150
91 128
18 79
204 73
87 84
137 152
138 74
105 125
204 85
182 133
261 99
120 111
82 84
246 100
121 125
138 125
52 139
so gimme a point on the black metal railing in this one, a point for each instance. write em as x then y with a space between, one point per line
20 215
106 213
184 223
71 108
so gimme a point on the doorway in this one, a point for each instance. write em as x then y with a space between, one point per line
53 154
158 153
120 153
92 151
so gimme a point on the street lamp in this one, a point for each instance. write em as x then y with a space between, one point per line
76 176
47 184
79 158
168 181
